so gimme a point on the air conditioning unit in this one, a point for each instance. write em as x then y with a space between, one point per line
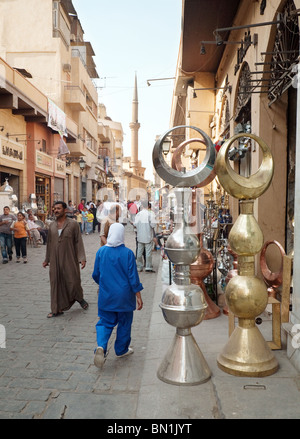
67 68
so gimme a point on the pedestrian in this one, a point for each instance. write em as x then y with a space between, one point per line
106 206
84 217
144 224
90 220
78 217
113 217
6 234
93 209
157 245
70 209
21 231
133 210
119 295
64 252
81 205
30 212
138 202
35 231
98 214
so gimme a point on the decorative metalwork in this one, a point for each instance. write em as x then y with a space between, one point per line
244 89
285 54
241 52
225 116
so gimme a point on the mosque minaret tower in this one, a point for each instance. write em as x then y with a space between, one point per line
134 126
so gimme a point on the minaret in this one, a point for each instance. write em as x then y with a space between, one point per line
134 126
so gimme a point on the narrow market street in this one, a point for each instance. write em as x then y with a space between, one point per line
47 358
47 370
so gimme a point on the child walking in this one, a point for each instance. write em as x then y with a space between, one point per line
116 274
79 219
21 231
90 220
84 217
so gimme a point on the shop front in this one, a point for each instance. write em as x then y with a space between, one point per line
59 180
43 195
12 166
96 179
43 184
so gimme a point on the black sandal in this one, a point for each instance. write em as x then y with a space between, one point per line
84 304
52 314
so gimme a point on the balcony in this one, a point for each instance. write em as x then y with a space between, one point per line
20 96
77 149
75 98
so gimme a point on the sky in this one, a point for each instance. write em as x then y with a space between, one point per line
128 37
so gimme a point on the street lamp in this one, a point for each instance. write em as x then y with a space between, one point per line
166 146
81 163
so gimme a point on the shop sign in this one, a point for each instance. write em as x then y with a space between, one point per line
103 177
44 161
10 150
60 167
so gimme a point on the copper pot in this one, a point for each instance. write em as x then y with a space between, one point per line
200 269
272 280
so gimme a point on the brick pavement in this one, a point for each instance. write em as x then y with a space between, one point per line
46 369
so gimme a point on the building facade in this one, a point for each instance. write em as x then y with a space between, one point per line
49 105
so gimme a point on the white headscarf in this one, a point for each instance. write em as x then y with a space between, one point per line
116 235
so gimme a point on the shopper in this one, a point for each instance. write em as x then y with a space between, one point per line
119 294
64 252
144 223
84 218
111 218
90 221
78 217
21 232
36 232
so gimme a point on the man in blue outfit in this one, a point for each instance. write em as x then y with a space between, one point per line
116 274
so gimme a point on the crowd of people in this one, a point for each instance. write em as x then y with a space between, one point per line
91 217
115 271
16 230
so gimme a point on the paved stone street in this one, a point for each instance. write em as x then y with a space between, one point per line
46 369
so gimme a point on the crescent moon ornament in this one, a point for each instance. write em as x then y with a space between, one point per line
176 160
195 177
245 188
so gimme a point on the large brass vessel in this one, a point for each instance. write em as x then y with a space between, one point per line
246 352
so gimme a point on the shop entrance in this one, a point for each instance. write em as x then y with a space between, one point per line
291 163
42 192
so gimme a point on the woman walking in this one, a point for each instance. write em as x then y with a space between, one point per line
119 293
21 231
